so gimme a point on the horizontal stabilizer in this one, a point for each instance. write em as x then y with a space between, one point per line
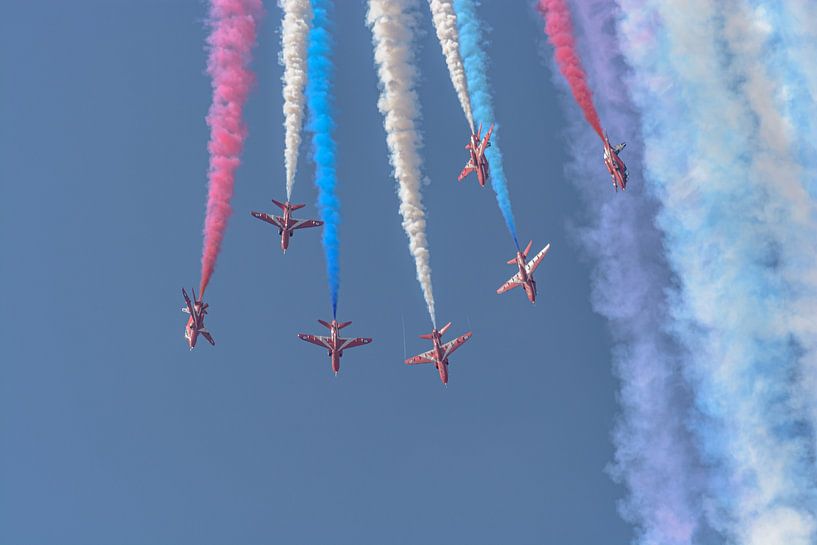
297 206
428 336
445 328
279 204
325 324
343 324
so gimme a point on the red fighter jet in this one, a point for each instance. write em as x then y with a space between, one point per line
439 354
614 164
334 343
286 224
195 324
477 162
524 277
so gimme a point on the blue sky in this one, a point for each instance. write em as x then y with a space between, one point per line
113 433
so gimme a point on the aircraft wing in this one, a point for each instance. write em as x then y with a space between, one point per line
510 284
206 335
267 218
360 341
531 265
323 342
469 168
486 141
451 346
425 357
189 308
306 223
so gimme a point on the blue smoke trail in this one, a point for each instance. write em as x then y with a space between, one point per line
789 45
319 100
473 58
727 244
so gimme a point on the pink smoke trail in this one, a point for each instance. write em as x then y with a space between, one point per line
560 34
231 41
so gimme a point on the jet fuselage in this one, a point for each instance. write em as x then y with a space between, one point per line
615 166
528 283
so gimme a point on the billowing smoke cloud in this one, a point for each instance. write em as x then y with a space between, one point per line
471 38
294 32
560 33
231 41
727 222
656 457
790 53
322 125
776 88
393 26
445 24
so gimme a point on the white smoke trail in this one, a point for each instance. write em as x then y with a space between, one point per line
781 43
726 225
803 39
445 24
294 34
393 25
791 213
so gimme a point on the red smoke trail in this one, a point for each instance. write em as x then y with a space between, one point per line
231 40
560 34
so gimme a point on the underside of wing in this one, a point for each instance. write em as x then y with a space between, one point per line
510 284
425 357
360 341
314 339
531 265
469 168
451 346
307 223
267 218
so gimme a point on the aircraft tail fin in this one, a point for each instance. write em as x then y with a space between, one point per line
343 324
327 325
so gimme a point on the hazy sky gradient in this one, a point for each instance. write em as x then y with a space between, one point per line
113 433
